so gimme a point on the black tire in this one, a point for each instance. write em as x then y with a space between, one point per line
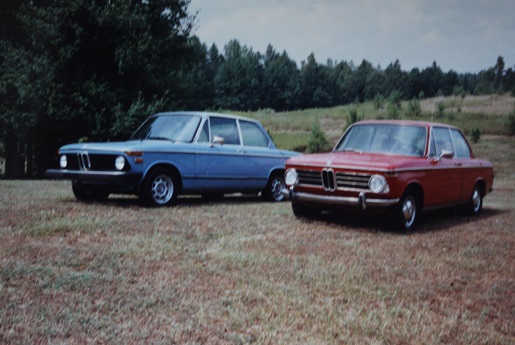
83 193
404 215
159 188
274 187
475 204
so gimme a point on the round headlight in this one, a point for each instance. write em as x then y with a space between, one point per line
63 162
291 177
378 184
119 163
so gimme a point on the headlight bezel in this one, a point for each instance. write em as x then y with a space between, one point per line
63 162
120 163
291 177
378 184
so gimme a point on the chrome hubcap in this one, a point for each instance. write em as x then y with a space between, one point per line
409 211
162 189
277 187
476 200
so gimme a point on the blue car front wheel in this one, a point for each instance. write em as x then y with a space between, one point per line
159 188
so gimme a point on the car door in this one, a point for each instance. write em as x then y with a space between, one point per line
221 165
260 152
445 172
467 164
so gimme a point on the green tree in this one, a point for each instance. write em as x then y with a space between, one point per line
317 90
239 80
499 74
432 79
69 68
365 86
344 79
281 81
396 79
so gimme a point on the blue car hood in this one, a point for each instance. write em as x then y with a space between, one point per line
123 146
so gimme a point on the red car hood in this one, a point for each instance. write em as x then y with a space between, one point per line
355 160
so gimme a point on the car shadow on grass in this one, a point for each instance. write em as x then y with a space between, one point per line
428 222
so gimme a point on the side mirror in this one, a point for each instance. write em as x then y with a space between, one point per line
217 140
445 154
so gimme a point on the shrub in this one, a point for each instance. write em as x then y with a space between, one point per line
352 117
378 101
440 109
392 111
317 142
476 134
414 108
395 98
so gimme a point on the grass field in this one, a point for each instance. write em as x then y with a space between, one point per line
243 271
291 130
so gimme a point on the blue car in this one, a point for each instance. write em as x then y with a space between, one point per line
176 153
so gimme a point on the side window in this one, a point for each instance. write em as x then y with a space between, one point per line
443 140
225 128
204 134
462 148
252 135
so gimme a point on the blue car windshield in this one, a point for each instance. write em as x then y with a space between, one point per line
168 127
387 139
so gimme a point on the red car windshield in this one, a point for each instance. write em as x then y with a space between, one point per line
385 139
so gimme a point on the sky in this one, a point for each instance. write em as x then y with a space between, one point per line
460 35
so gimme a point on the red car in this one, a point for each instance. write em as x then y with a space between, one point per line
402 167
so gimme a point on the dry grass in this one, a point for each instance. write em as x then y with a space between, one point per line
241 271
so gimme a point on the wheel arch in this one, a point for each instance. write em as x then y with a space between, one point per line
171 168
417 188
271 191
275 171
481 183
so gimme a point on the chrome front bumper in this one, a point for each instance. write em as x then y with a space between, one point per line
360 201
96 177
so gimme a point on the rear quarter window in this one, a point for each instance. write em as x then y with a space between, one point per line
252 135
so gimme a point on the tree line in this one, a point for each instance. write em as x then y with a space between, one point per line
92 70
